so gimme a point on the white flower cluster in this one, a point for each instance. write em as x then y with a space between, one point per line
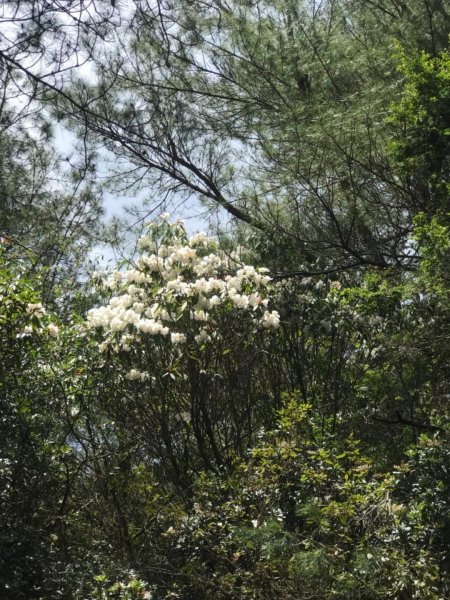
52 330
178 279
135 375
36 310
271 320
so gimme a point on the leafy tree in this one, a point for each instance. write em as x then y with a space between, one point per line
307 515
49 205
422 119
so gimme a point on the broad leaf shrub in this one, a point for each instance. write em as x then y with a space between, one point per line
307 515
48 450
32 452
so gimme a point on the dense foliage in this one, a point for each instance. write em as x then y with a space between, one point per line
257 413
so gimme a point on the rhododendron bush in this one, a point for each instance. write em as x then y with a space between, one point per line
193 330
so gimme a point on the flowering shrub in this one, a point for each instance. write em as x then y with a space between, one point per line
179 291
188 347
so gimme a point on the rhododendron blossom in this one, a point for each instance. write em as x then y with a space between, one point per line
36 310
271 320
53 330
135 375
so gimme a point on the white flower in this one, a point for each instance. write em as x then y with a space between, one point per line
177 338
36 310
149 326
139 307
184 255
240 301
254 300
135 375
214 301
145 241
208 265
200 315
53 330
234 284
115 302
117 324
203 336
28 330
201 285
153 263
174 284
126 342
199 239
182 284
165 216
271 320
